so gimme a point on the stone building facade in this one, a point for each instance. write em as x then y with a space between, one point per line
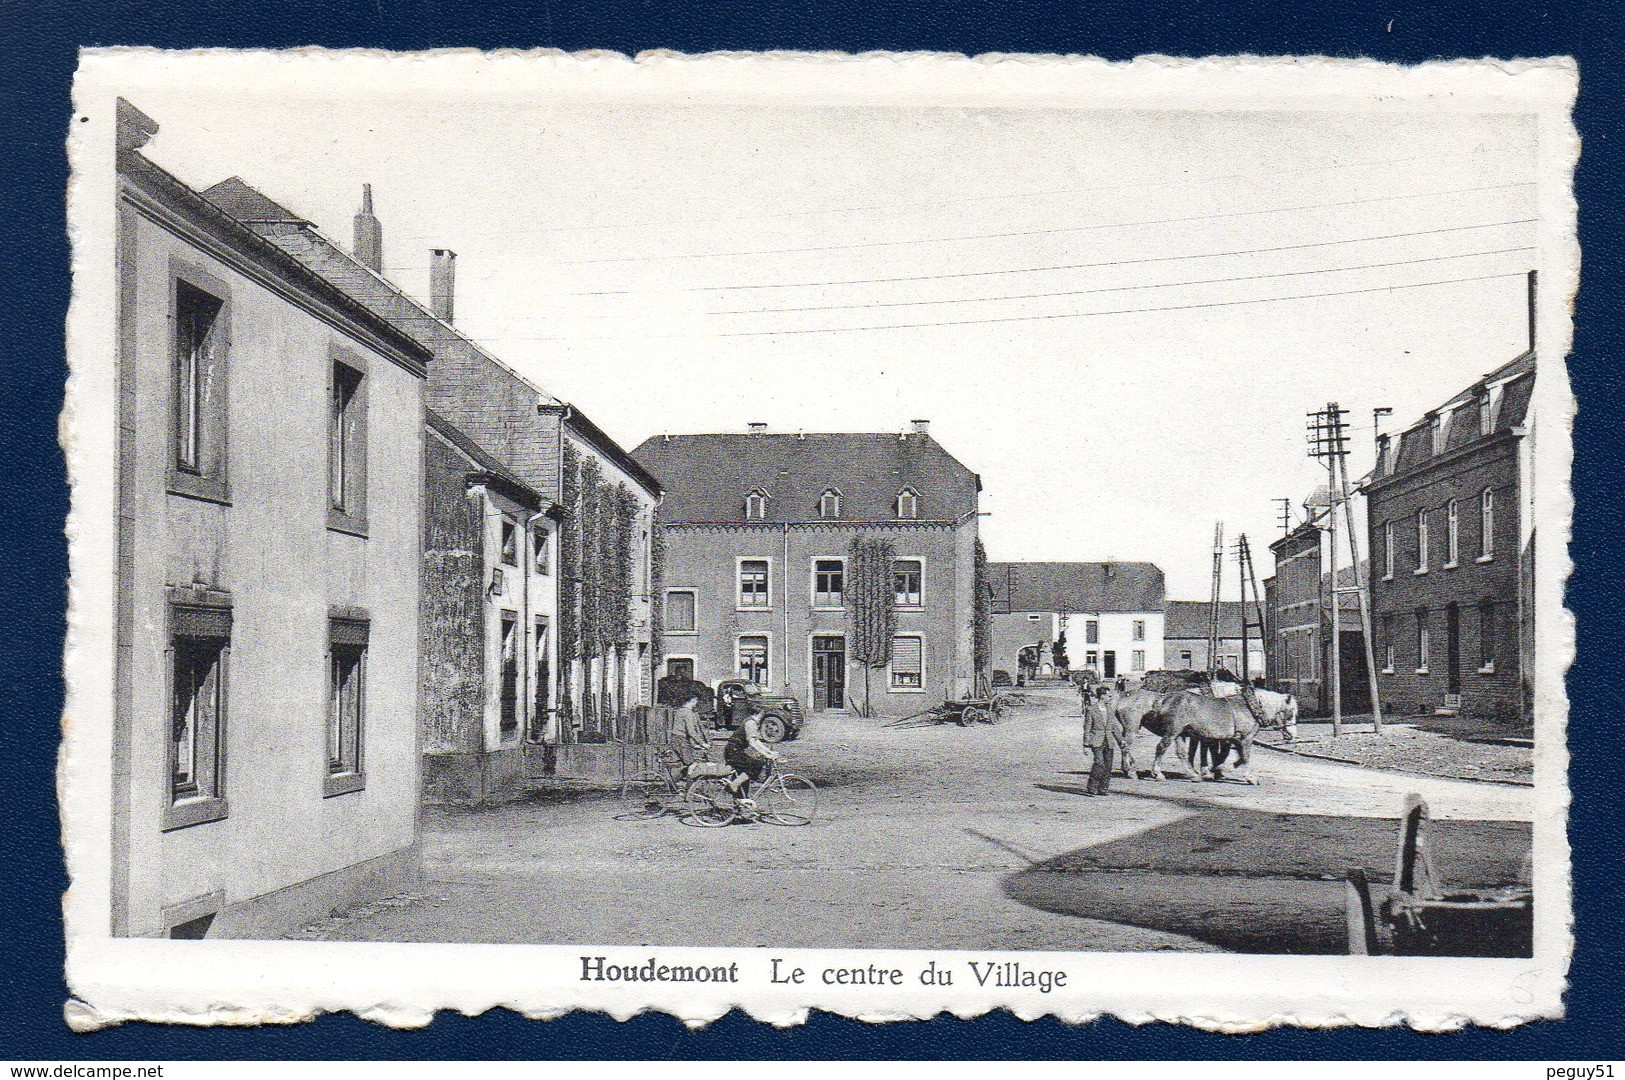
1451 536
1299 625
1185 638
758 531
1110 612
270 456
543 441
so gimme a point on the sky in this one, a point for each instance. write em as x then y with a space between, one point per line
1117 317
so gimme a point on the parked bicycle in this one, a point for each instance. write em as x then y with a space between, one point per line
702 794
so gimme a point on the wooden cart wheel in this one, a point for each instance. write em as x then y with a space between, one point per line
973 714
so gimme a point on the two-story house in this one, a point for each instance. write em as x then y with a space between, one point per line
601 668
269 488
1111 614
759 531
1449 507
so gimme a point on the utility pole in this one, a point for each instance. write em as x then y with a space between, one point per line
1328 441
1285 512
1244 564
1213 606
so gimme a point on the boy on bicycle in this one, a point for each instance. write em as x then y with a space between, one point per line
748 756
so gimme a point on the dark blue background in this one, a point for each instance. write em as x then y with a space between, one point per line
35 70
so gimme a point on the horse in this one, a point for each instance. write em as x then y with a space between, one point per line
1215 726
1130 712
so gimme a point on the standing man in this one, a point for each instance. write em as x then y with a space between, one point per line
687 735
1097 737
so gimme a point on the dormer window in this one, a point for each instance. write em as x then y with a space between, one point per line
1441 432
1486 412
829 505
908 505
756 505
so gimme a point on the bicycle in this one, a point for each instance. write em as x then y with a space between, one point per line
780 798
654 793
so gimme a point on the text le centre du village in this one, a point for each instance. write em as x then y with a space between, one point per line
996 974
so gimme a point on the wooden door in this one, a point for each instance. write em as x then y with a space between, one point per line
829 673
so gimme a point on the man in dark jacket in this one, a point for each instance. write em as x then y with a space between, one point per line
1097 737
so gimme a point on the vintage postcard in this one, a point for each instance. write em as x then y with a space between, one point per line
887 534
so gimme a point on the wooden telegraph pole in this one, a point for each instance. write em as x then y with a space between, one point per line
1213 606
1328 441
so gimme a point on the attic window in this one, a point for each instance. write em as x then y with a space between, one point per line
908 505
1486 414
829 505
756 505
1441 432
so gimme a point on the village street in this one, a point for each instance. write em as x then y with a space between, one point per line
949 837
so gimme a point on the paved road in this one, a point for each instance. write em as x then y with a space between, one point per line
948 837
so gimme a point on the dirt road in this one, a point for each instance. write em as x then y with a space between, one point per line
948 837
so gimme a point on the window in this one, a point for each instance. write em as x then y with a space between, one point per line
1139 629
1421 641
1388 644
1441 433
1452 534
1486 414
199 377
753 659
510 542
200 639
541 697
1091 659
1137 660
829 583
1486 637
1486 515
1185 659
538 550
908 504
347 704
680 667
1421 542
508 692
1388 551
680 611
347 450
1091 631
905 579
756 505
907 663
753 583
829 505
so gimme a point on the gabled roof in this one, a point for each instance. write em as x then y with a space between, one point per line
707 477
1076 586
485 464
249 205
1187 619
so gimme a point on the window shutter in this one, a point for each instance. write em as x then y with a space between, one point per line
906 656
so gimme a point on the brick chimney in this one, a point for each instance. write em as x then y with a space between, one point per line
442 282
369 234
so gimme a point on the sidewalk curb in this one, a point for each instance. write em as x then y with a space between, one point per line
1404 772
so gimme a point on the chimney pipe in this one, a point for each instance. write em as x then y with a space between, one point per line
369 234
921 427
1532 310
442 282
757 427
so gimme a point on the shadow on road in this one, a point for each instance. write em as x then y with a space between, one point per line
1251 881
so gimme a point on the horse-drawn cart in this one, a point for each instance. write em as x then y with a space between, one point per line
965 712
1422 918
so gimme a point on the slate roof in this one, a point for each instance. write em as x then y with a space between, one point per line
1413 447
512 485
707 477
1188 619
1076 586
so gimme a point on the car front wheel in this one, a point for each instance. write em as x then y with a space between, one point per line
774 729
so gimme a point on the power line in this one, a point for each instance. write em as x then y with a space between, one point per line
936 203
1049 232
1121 288
1021 318
1124 311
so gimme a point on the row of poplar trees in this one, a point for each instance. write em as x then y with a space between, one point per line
598 571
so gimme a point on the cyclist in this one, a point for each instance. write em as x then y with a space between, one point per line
748 756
